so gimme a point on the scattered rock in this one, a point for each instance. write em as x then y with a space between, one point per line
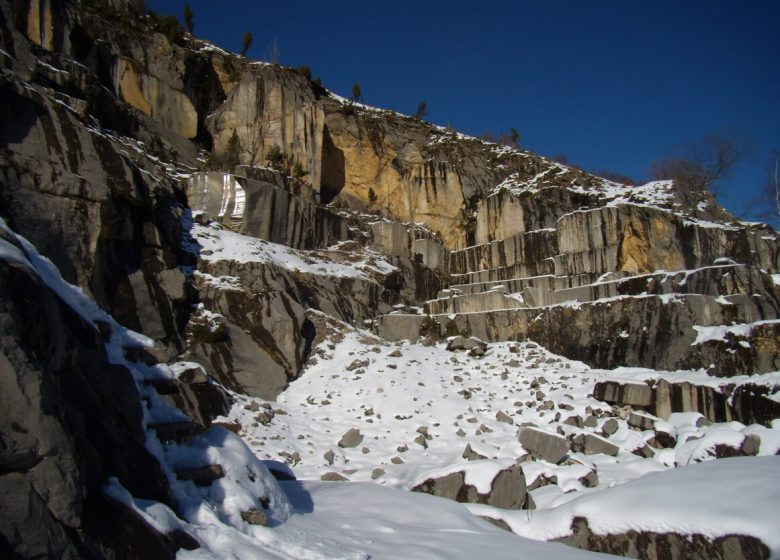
351 438
590 480
397 460
329 456
507 491
662 440
333 477
470 455
591 444
357 364
543 445
201 476
610 427
502 416
255 517
420 440
377 473
193 375
751 444
640 421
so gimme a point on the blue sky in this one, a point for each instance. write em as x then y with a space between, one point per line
612 84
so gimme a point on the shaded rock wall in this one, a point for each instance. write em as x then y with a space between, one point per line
69 419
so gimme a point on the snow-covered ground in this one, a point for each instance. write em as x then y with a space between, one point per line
396 393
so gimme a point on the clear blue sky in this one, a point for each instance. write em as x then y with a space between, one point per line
613 84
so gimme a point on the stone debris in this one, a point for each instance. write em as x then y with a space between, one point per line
543 445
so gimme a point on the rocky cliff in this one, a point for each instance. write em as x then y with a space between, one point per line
232 210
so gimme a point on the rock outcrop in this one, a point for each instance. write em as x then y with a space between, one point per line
69 419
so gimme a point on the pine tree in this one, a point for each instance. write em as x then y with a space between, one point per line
422 110
247 43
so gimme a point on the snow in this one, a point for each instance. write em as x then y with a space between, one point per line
213 243
721 332
361 520
717 498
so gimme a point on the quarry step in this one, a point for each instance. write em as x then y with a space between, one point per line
733 283
523 248
201 476
694 329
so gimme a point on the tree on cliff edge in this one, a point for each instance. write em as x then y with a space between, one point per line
188 19
247 43
701 165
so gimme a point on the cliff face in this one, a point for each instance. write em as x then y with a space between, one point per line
115 164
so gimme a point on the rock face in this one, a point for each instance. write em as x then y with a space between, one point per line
69 419
747 403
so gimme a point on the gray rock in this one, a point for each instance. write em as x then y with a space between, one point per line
751 444
201 476
508 489
355 364
333 476
329 456
543 445
502 416
591 444
255 516
640 421
377 473
351 438
610 426
590 480
470 455
634 394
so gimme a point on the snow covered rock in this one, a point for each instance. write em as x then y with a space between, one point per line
479 483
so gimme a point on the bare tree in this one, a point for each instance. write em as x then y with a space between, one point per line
703 164
774 184
274 52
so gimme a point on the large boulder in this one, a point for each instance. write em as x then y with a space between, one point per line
543 445
507 488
